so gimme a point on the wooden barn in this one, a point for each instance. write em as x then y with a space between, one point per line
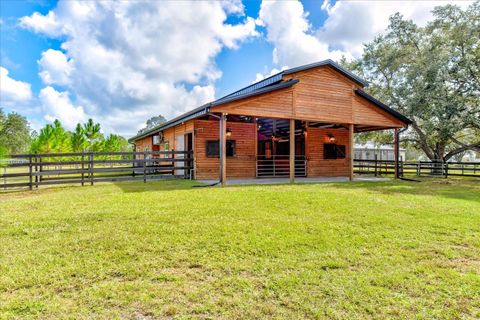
297 123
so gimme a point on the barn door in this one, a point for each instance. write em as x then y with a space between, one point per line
179 146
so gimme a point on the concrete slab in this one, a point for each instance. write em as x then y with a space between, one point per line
265 181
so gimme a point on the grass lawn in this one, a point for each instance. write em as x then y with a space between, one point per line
166 250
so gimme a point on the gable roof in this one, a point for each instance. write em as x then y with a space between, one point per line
383 106
268 84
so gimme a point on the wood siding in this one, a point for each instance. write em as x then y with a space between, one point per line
317 165
322 94
242 165
146 142
276 104
366 113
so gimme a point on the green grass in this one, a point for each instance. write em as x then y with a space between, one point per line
166 250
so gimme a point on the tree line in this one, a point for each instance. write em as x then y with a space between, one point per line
17 137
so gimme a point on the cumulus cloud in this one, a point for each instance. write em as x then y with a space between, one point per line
55 67
13 91
289 30
348 26
133 60
57 105
351 24
260 76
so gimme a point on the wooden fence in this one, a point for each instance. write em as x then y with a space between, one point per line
420 168
34 170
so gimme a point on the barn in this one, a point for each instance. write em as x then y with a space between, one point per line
297 123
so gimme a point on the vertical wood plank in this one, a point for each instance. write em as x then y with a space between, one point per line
223 149
83 167
292 150
91 168
36 170
352 146
144 166
30 185
395 152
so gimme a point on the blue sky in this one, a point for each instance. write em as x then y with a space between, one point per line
123 62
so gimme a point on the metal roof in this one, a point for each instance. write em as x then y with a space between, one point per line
383 106
206 108
271 83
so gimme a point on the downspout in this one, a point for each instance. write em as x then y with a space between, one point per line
219 147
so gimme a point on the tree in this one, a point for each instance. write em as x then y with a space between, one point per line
14 133
431 74
92 134
152 123
52 139
78 139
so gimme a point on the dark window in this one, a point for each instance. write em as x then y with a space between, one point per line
213 149
333 151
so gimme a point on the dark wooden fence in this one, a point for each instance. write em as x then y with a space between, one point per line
34 170
420 168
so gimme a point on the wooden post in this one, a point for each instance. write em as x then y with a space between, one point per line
352 145
40 158
396 152
91 169
36 170
376 165
292 150
83 167
30 172
144 166
223 149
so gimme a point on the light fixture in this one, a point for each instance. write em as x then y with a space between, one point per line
331 138
229 132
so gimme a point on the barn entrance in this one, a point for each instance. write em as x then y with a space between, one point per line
273 148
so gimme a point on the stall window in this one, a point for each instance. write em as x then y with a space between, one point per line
213 148
333 151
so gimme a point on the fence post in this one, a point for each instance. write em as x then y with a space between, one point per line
446 169
36 170
83 167
30 171
144 166
376 165
173 162
91 168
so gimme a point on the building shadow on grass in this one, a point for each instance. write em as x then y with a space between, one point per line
461 189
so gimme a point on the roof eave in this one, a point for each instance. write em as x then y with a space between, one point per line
383 106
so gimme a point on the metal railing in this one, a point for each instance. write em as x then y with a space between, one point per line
279 166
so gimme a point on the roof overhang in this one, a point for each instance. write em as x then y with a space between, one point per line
383 106
195 113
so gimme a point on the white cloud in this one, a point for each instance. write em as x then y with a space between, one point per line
351 24
13 91
57 105
260 76
289 30
55 67
126 61
348 26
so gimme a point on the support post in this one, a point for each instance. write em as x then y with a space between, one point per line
396 152
352 145
30 173
292 150
223 149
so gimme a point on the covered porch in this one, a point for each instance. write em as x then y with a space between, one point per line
286 150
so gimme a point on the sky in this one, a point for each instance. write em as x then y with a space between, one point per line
122 62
